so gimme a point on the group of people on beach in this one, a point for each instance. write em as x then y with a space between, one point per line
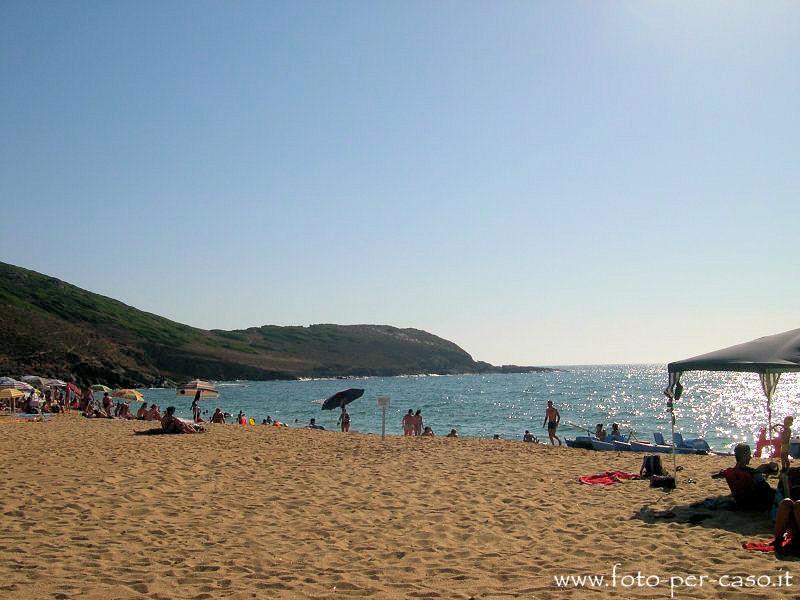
413 425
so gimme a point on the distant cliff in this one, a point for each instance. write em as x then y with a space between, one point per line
51 328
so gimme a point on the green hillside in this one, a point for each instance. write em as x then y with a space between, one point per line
51 328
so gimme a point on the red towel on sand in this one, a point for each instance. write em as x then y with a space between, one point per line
607 478
768 545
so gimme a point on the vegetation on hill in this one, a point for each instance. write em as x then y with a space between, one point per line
53 328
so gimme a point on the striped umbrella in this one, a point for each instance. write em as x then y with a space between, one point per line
206 389
100 388
11 394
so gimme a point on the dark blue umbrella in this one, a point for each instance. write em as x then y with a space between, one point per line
342 398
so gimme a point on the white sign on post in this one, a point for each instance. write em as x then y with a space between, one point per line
383 402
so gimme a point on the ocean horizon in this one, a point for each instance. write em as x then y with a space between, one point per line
724 408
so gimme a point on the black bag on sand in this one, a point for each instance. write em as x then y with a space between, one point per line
663 481
651 466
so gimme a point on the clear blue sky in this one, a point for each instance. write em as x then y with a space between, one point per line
540 182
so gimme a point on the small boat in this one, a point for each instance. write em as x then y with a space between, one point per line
581 441
600 445
622 446
639 446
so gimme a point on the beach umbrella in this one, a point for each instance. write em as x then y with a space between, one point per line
55 383
9 383
205 388
342 398
126 394
100 388
12 394
35 381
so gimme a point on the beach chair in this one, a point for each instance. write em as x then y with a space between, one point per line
659 438
678 439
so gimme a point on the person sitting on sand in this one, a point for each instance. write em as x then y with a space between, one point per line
600 432
141 414
748 487
528 437
107 404
218 417
155 413
312 424
268 420
787 521
172 424
453 434
124 411
428 432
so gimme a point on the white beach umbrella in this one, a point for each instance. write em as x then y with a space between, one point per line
8 382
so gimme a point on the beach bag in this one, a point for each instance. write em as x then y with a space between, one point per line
663 481
651 466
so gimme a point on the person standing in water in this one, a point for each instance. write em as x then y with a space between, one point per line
551 419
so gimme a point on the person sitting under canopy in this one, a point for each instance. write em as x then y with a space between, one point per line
749 488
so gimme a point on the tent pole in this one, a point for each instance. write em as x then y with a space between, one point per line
674 459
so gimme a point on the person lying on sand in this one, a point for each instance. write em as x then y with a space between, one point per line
312 424
172 424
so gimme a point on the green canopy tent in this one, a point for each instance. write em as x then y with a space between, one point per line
767 356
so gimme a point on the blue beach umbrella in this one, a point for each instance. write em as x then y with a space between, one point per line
342 398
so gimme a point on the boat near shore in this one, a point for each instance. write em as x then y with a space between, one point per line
691 446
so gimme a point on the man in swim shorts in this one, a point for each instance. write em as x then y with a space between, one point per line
551 419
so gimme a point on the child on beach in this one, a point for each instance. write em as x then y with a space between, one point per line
786 440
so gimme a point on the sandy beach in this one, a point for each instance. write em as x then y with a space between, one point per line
91 510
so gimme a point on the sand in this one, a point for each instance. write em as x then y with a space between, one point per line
91 510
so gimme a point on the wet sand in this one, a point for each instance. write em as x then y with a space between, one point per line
91 510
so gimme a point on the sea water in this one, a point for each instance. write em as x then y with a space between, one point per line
721 407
